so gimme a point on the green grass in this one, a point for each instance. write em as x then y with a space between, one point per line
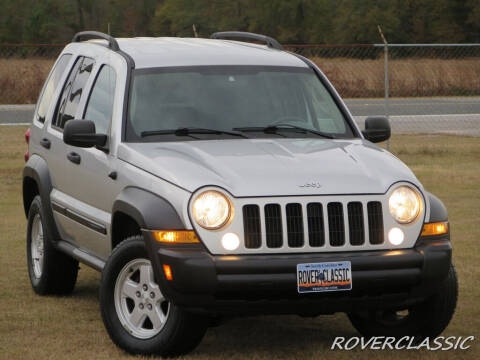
34 327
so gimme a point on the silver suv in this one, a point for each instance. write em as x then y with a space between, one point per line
211 178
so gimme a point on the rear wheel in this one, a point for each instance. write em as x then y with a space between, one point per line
426 319
136 315
50 271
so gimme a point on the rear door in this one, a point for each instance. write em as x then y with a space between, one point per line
65 110
40 140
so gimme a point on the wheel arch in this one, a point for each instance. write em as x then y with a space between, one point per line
438 211
137 209
37 181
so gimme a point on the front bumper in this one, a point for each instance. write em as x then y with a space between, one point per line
265 284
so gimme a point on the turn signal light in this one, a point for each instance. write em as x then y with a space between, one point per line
437 228
176 237
168 272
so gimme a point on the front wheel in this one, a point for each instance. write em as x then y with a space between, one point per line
426 319
136 315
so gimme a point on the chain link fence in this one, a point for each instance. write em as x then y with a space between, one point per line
431 88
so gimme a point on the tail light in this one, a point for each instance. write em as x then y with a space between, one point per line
27 140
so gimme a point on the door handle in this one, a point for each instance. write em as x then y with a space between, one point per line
45 143
74 157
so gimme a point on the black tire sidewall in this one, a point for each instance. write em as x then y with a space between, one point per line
40 285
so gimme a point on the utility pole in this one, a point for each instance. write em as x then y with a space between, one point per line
387 83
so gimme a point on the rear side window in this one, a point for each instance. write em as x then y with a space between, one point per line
100 104
50 86
72 91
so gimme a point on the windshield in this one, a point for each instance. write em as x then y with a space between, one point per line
231 98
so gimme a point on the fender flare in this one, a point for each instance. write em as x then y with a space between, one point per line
438 211
149 210
36 168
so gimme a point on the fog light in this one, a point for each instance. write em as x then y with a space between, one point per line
396 236
230 241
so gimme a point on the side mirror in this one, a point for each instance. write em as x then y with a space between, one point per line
81 133
377 129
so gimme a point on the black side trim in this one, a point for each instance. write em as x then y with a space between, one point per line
79 218
438 211
128 88
81 255
150 211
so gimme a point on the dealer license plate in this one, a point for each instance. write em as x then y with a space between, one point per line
328 276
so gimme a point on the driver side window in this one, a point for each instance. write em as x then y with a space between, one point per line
100 104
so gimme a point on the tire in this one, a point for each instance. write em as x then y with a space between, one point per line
426 319
145 330
51 271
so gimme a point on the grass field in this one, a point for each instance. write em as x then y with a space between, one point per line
33 327
21 79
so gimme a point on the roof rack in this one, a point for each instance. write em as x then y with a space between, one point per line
85 35
271 42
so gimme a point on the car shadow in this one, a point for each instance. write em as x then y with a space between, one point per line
286 336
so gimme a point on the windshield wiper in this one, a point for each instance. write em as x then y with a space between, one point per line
186 131
274 128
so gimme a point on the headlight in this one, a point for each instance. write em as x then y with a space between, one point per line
211 209
404 204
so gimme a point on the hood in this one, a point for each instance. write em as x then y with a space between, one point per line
272 167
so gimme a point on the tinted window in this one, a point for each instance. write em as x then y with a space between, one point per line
72 92
229 97
50 86
100 104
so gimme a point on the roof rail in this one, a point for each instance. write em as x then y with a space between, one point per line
85 35
271 42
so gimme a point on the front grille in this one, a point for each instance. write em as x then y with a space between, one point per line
313 224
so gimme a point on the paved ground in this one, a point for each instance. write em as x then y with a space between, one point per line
16 114
453 115
457 115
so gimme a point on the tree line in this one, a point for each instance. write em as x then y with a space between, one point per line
290 21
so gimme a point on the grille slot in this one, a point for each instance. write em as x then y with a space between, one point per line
294 225
316 229
336 226
375 222
273 225
251 226
355 223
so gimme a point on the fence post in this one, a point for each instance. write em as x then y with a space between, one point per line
387 83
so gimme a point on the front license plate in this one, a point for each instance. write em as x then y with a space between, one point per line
328 276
